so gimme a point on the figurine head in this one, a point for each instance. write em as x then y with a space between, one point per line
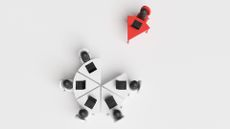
83 113
135 85
117 115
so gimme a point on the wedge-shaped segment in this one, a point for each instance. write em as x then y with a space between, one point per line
110 101
118 85
91 101
83 85
92 69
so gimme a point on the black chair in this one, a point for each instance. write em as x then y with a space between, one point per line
136 24
120 85
91 67
90 102
111 103
80 85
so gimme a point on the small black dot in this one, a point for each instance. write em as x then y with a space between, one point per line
134 85
67 84
85 56
83 113
137 25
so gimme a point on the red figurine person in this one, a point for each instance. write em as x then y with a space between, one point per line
138 24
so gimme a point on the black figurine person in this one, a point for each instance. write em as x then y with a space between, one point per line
84 56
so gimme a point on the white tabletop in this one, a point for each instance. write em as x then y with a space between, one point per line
104 108
95 94
90 85
111 86
95 89
183 61
96 75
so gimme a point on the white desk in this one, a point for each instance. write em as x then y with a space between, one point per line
95 89
95 94
96 75
111 86
104 107
90 85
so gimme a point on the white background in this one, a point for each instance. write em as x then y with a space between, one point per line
183 62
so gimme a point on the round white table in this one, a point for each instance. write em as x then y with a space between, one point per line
90 93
